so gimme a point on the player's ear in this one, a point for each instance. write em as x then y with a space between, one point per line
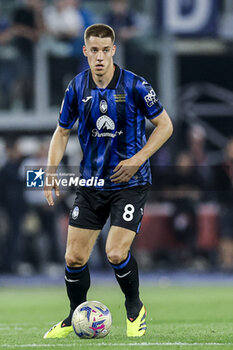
84 50
113 50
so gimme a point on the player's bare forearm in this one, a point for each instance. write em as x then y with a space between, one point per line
159 136
128 167
57 147
56 151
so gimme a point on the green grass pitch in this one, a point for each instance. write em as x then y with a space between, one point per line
177 318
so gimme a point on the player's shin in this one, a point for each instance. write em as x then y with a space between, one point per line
127 276
77 284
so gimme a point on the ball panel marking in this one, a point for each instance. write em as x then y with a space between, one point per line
91 319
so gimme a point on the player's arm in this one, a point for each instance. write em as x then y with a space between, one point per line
127 168
163 130
56 151
67 118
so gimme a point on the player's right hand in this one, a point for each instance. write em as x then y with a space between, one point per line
50 186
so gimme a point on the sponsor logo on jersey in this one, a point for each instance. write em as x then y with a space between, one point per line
75 213
105 125
103 106
151 98
120 97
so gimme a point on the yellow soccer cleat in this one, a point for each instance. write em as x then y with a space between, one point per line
60 330
137 327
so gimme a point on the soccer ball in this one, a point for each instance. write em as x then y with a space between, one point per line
91 319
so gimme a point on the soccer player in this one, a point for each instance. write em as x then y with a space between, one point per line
110 105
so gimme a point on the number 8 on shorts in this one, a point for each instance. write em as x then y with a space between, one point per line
128 212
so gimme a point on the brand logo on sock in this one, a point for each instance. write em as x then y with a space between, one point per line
125 274
69 280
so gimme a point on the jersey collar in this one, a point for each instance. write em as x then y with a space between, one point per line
113 82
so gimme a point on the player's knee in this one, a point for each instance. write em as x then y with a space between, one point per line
73 260
116 256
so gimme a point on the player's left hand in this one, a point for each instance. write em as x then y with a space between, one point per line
125 170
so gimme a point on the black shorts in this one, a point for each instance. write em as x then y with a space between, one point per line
92 208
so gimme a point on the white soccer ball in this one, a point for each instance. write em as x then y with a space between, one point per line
91 319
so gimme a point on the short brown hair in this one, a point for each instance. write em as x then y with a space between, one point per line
100 30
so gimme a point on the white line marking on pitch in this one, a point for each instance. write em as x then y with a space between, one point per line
16 324
17 328
111 344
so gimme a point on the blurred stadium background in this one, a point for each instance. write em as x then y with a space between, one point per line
184 49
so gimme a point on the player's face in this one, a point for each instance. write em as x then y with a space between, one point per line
99 53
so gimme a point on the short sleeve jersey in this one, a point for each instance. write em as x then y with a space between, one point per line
111 123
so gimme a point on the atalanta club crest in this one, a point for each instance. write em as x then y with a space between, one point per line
103 106
75 213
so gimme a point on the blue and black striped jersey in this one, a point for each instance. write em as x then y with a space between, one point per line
111 123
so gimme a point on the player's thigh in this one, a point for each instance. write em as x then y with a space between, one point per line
118 243
127 207
80 243
89 210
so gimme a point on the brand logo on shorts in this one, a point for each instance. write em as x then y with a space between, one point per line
75 213
103 106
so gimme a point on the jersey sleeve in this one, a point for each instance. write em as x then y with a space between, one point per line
148 102
69 108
